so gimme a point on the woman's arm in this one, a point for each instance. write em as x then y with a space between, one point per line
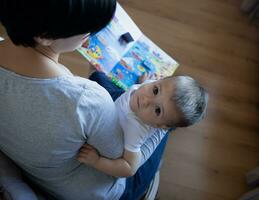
122 167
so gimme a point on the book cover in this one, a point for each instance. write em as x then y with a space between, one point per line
124 53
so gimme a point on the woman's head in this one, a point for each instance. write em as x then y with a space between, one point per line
53 19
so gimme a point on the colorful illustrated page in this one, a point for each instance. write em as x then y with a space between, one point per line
104 49
124 53
143 56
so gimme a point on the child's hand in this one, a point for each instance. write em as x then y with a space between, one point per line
146 76
88 155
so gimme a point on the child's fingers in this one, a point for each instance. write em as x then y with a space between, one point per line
83 156
88 146
80 159
86 158
143 77
85 150
150 75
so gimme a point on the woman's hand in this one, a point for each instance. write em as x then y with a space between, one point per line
88 155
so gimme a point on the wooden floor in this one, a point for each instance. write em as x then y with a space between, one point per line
214 43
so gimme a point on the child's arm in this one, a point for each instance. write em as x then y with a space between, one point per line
121 167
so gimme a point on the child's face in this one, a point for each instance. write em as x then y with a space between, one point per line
153 105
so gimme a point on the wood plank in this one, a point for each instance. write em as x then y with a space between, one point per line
181 192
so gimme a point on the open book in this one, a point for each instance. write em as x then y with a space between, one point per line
124 53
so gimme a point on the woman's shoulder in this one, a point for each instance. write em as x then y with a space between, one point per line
85 91
79 83
85 88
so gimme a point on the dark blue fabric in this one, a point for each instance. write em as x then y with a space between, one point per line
137 185
105 82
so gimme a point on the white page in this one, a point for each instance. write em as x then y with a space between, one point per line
127 22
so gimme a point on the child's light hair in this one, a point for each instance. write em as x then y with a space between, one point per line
191 100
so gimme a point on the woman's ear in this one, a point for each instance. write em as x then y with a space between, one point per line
43 41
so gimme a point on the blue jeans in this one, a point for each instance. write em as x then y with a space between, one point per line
137 185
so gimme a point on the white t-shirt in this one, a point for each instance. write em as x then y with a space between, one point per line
135 131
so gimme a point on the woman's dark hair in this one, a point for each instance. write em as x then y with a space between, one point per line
53 19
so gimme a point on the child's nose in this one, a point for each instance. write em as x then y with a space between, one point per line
147 101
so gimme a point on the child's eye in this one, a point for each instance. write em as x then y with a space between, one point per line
157 111
155 90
